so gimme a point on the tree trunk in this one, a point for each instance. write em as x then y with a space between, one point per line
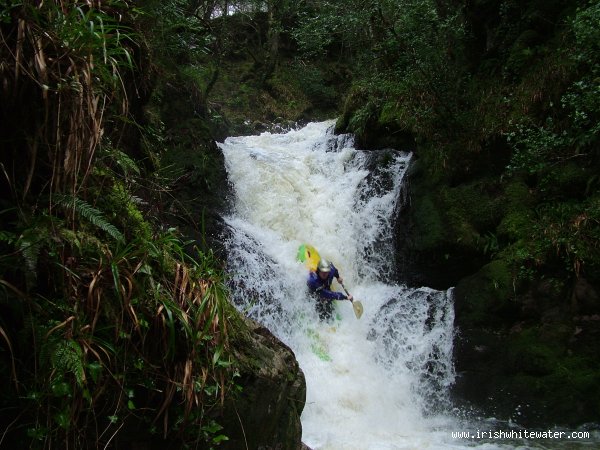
275 7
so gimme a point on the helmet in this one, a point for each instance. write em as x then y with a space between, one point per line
324 265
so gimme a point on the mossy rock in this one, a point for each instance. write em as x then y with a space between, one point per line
397 125
392 113
294 93
438 244
533 375
487 297
376 123
530 354
524 49
355 99
517 203
472 210
455 215
272 394
545 373
518 195
430 223
515 225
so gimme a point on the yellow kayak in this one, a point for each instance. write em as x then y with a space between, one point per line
309 256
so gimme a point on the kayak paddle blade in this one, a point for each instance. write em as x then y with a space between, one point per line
358 308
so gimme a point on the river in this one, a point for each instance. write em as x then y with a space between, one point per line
378 382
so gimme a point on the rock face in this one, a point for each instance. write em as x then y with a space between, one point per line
528 357
266 413
526 347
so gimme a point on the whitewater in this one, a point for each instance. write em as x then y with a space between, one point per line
380 382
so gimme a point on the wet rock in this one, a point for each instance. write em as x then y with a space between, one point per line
521 355
266 412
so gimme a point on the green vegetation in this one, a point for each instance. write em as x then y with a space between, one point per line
112 320
525 109
108 321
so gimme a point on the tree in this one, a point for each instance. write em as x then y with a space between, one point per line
406 54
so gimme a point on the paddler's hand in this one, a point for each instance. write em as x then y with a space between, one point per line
340 280
350 297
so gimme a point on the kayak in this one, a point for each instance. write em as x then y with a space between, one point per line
318 345
309 256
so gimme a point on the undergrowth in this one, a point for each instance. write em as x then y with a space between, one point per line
112 328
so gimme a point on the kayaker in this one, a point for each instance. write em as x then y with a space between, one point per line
319 282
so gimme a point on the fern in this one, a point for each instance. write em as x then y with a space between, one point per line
30 244
7 236
68 357
94 216
123 160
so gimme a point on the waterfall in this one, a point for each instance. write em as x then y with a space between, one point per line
378 382
373 382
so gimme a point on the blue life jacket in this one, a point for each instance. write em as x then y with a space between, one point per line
323 287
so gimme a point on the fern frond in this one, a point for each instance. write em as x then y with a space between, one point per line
30 244
125 162
91 214
68 357
7 236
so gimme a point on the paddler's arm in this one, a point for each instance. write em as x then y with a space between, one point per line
331 295
336 274
349 296
340 280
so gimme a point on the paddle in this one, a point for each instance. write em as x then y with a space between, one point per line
356 305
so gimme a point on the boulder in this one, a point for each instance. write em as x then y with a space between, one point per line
265 414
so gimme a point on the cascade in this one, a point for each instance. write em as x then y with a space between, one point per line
380 382
381 373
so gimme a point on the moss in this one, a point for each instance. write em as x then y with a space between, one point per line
429 222
544 371
530 354
394 114
499 274
487 297
517 201
472 211
309 81
295 92
515 225
390 113
191 151
125 209
273 393
523 51
356 98
517 194
535 374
